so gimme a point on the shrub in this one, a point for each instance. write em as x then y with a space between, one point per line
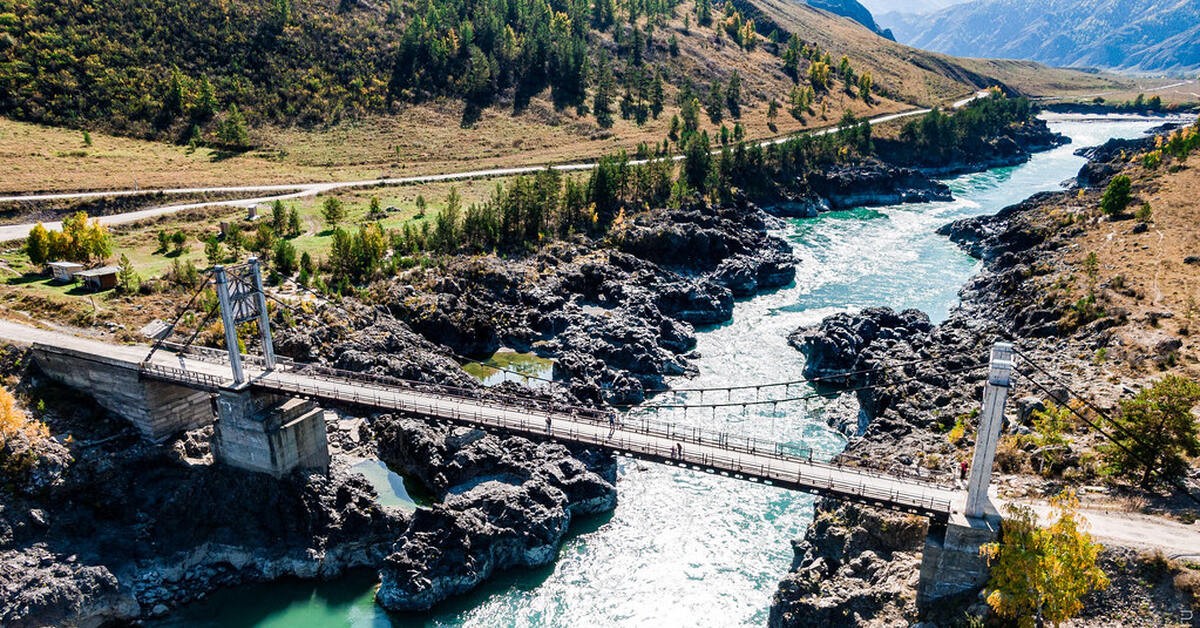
1117 195
19 435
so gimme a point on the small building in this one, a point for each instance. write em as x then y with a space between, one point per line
96 279
64 272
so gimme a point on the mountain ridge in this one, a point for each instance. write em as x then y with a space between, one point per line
1149 36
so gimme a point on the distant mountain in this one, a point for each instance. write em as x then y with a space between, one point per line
916 7
853 10
1137 35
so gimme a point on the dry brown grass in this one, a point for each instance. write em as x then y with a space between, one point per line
1160 291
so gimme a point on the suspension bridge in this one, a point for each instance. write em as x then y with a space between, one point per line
264 407
266 418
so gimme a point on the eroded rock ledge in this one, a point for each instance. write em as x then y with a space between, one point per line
504 502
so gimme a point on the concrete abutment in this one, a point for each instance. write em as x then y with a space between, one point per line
158 410
269 433
256 431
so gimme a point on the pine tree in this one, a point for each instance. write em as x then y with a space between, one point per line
733 95
864 87
206 102
657 95
294 227
602 99
716 102
232 130
333 212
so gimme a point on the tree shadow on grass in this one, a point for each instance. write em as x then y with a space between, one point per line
221 154
470 115
28 278
81 290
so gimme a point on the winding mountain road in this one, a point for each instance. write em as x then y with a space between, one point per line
273 193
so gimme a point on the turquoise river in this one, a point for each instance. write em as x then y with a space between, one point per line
686 548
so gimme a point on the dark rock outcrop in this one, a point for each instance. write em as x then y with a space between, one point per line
854 565
129 530
1104 160
835 348
873 184
508 502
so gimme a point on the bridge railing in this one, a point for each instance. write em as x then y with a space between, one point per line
553 409
772 470
220 356
196 379
382 396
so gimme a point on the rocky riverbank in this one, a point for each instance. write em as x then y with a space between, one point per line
900 174
855 566
118 529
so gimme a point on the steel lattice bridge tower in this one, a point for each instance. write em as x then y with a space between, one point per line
241 299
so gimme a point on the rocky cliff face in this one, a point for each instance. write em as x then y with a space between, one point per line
853 10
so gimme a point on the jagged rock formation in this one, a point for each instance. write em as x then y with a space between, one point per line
507 503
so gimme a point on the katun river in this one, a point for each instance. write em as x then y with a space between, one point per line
685 547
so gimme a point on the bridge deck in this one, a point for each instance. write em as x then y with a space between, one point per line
768 467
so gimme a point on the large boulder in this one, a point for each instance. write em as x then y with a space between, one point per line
833 349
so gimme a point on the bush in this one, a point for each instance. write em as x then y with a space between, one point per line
19 435
1117 195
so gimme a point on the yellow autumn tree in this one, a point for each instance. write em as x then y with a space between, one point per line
18 432
14 422
1040 575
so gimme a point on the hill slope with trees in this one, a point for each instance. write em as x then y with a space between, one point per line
415 86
